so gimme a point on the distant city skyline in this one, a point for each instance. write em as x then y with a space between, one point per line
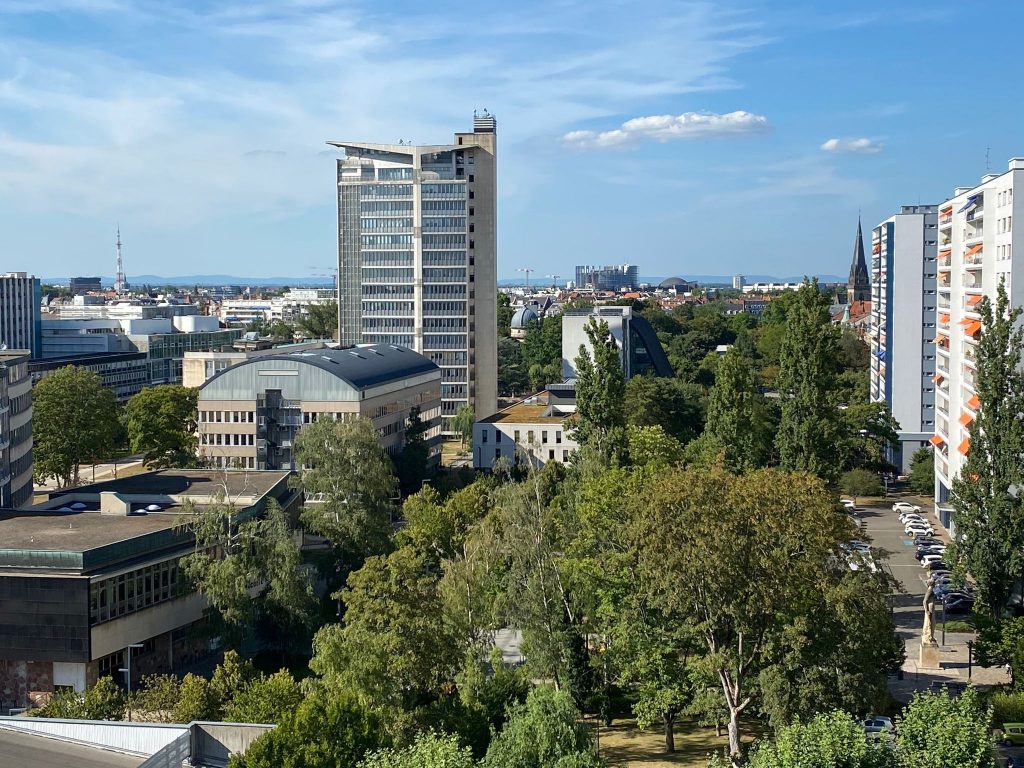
674 136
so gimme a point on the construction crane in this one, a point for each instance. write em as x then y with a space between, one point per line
554 280
528 271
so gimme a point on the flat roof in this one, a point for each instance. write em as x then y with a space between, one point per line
530 411
194 482
76 531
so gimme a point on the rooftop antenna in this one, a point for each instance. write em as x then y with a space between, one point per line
988 167
119 281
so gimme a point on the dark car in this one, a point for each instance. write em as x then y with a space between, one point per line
958 602
937 567
922 551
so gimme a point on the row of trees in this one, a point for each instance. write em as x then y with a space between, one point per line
317 321
77 421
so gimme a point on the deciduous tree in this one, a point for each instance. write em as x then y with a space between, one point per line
922 471
161 424
810 428
988 494
830 740
429 750
462 423
74 421
942 731
651 401
412 464
600 390
351 480
318 321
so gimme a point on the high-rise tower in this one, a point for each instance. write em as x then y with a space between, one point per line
858 288
417 256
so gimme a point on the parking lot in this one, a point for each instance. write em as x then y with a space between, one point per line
886 531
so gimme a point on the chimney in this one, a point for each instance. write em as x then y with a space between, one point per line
112 503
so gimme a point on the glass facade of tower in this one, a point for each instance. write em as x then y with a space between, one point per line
404 257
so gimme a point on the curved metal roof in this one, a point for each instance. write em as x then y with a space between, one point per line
361 367
523 317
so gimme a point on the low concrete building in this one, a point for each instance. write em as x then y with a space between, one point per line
15 430
95 570
125 373
532 430
250 413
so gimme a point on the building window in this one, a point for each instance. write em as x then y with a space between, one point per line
551 454
558 437
497 435
544 436
517 435
483 436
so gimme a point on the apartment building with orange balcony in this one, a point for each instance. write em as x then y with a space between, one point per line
902 328
975 251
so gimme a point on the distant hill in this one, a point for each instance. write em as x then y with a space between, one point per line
215 280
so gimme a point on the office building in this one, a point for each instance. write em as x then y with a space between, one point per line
613 278
737 282
15 429
417 256
250 413
83 285
639 348
533 430
901 332
124 373
94 573
976 250
20 312
163 340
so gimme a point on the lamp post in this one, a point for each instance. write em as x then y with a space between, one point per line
127 669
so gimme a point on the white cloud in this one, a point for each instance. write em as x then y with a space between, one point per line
689 125
852 146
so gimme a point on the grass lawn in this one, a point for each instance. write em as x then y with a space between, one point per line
452 449
625 744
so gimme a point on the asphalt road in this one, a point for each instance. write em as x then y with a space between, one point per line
20 750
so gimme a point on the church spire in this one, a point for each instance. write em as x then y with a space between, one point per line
858 287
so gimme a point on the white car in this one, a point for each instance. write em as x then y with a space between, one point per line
904 506
906 517
848 503
929 559
919 530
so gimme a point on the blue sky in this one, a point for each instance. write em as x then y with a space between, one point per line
687 138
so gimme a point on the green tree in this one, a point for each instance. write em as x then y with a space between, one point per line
505 313
438 529
942 731
513 376
600 391
650 445
318 321
860 482
651 401
542 346
161 424
543 732
327 730
1001 643
831 740
352 480
746 560
810 428
429 750
922 471
394 649
265 699
413 463
74 421
230 677
872 436
196 701
737 428
233 556
854 354
104 701
988 494
462 423
157 697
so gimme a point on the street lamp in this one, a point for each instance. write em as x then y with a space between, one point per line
127 669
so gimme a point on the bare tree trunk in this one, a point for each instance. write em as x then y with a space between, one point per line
670 735
718 728
735 745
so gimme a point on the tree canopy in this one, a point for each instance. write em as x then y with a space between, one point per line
74 421
161 424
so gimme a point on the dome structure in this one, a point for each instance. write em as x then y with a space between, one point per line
672 282
521 321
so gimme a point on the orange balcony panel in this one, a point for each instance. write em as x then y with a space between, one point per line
974 403
965 419
937 441
973 301
965 446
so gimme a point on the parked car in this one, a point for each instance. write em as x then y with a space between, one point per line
929 559
1013 734
958 602
919 525
849 504
905 506
904 516
925 541
875 725
923 552
937 566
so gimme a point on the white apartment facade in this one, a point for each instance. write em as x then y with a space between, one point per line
975 251
15 429
903 321
533 430
417 256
